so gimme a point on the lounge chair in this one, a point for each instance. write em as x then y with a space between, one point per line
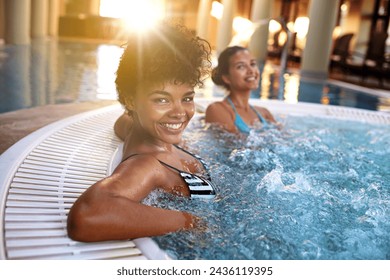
341 51
373 63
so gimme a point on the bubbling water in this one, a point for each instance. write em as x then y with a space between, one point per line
316 189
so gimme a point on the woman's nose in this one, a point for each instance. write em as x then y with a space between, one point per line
254 69
178 110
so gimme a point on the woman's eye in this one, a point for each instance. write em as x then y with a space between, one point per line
161 100
188 99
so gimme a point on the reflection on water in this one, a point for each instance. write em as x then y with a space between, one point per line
14 79
292 88
52 72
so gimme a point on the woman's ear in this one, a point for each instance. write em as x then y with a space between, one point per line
226 79
130 105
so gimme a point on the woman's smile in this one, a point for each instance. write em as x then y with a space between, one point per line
251 79
173 126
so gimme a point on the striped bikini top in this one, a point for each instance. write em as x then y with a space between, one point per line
239 122
199 186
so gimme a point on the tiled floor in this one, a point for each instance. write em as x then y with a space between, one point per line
18 124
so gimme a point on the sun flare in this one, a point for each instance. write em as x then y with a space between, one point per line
136 15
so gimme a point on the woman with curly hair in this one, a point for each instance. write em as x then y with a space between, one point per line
237 71
155 82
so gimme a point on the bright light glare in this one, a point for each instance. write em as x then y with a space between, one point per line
243 28
216 10
137 15
336 32
241 24
344 8
301 26
107 62
290 25
282 39
291 88
274 26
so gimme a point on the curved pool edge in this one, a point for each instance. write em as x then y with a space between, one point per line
33 224
11 159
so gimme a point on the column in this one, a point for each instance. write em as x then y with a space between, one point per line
17 21
53 18
202 24
93 26
225 28
315 58
39 18
260 16
62 7
38 74
52 71
94 7
2 20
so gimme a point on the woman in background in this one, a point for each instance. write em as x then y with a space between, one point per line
238 72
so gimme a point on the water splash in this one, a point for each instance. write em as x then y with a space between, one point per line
316 189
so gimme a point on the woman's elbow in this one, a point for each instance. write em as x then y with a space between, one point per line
77 225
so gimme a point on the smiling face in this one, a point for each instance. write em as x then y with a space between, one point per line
164 111
243 72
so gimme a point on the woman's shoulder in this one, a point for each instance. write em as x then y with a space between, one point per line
214 105
218 107
123 125
265 113
261 109
140 160
222 114
144 167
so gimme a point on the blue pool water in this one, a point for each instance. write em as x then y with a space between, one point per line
317 189
54 72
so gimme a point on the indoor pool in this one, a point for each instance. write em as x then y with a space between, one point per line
54 72
316 189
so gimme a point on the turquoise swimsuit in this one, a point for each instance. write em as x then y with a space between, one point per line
239 122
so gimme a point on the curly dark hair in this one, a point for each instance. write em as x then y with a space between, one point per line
170 52
223 65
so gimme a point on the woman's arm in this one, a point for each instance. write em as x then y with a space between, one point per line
100 215
111 209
